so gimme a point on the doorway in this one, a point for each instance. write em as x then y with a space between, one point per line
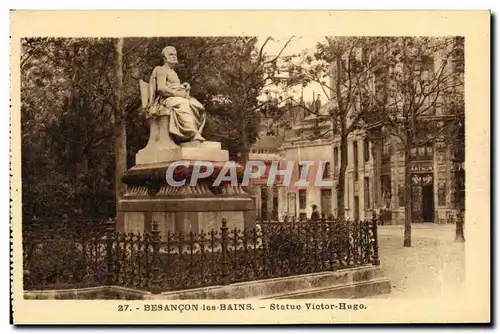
427 203
326 201
422 198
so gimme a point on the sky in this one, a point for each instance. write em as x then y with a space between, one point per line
297 45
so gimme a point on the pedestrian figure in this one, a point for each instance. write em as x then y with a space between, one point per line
381 212
315 213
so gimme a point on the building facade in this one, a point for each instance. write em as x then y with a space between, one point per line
431 162
375 172
266 150
432 175
265 196
300 144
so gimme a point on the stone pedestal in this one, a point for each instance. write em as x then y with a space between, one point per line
202 207
201 151
186 214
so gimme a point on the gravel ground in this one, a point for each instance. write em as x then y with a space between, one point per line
433 265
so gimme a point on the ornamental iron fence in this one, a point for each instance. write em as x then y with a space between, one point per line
58 256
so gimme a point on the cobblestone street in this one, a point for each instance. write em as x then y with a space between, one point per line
434 264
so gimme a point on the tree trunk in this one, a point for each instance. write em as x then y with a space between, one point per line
377 163
341 180
342 114
120 130
408 199
245 150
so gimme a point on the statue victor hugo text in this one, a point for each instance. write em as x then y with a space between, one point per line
176 122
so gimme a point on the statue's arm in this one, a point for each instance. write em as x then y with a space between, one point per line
164 89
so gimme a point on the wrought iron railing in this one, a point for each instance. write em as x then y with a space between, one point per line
56 257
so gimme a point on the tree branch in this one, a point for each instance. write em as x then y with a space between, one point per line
280 52
44 42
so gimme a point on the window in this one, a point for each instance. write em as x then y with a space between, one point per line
327 173
386 150
385 190
429 151
427 68
300 170
367 192
458 55
326 201
264 197
380 78
366 149
423 152
302 199
355 158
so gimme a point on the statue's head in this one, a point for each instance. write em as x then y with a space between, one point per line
169 55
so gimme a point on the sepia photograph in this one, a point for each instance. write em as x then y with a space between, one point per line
192 173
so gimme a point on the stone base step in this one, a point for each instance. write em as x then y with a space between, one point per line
355 290
359 282
348 283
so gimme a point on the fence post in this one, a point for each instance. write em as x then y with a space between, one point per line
155 271
110 234
224 240
376 259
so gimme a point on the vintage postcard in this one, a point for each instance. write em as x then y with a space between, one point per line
250 167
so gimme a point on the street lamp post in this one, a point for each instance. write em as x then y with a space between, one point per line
459 200
457 161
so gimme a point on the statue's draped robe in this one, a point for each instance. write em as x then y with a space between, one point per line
187 115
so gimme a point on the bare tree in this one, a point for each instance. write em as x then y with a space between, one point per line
419 96
346 61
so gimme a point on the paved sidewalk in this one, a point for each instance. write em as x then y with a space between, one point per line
434 264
